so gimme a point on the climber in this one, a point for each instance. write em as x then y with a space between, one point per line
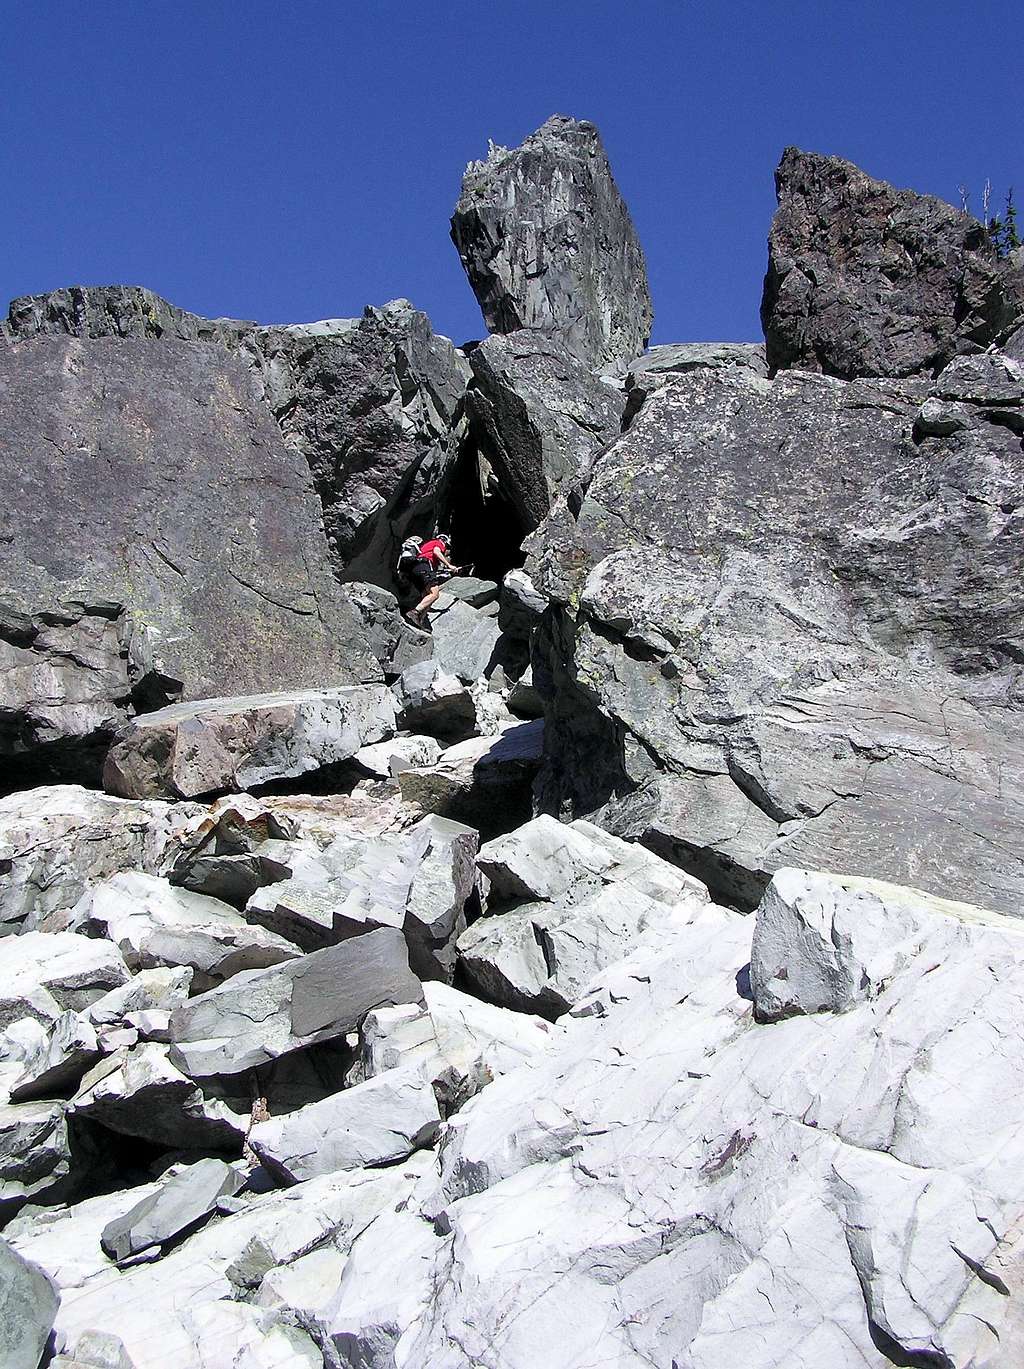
423 573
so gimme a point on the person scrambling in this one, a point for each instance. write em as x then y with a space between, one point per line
423 574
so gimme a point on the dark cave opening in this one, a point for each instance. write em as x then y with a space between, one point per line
485 528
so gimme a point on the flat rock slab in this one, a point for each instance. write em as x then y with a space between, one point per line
374 1123
262 1014
44 974
238 743
28 1305
178 1206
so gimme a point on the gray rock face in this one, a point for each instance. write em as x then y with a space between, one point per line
538 415
674 358
262 1014
548 245
120 450
179 1205
239 743
464 640
485 781
374 1123
867 280
369 404
797 636
28 1305
434 701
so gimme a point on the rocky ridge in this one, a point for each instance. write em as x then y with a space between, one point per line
632 963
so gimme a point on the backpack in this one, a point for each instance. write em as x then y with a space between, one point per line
409 553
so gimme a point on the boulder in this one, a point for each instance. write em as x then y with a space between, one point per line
470 589
28 1305
867 280
112 444
540 957
155 924
538 415
95 1350
485 781
43 975
177 1207
259 1015
548 245
139 1091
154 1306
464 640
386 759
35 1152
431 700
674 358
456 1041
374 1123
55 842
752 662
60 1058
240 743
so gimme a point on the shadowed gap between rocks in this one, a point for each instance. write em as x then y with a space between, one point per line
485 527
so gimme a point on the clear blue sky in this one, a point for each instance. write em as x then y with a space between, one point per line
286 160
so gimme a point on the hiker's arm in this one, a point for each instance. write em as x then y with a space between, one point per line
444 561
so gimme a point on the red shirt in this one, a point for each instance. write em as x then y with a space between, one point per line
429 551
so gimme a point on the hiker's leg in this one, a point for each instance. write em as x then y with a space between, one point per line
428 599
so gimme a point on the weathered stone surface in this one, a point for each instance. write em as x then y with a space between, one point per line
28 1305
95 1350
867 280
431 700
55 842
538 415
456 1041
43 975
111 445
262 1014
669 1166
374 1123
60 1058
470 589
240 743
548 245
154 924
674 358
180 1204
485 781
35 1152
791 634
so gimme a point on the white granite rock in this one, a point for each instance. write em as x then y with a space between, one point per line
61 838
675 1181
44 974
386 759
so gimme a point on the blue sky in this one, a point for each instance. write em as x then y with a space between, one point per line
286 160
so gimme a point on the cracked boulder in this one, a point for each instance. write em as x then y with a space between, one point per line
154 924
867 280
757 656
35 1152
117 591
548 245
241 743
44 974
178 1206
